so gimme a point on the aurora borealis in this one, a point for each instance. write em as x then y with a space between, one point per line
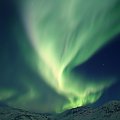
52 40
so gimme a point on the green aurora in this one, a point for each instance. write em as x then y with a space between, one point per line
65 34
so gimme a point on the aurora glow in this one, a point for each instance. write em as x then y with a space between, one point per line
66 34
63 34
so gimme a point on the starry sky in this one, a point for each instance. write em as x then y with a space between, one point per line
56 55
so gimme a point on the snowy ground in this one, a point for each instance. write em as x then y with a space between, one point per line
109 111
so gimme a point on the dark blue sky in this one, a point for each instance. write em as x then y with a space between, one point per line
105 63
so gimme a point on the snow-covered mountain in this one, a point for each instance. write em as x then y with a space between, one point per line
8 113
109 111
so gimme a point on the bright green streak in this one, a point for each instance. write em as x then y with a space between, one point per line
65 34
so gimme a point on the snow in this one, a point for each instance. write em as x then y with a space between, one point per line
109 111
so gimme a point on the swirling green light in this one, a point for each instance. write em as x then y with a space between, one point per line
65 34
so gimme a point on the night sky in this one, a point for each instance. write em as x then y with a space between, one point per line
56 55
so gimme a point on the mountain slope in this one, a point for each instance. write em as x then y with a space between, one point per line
7 113
109 111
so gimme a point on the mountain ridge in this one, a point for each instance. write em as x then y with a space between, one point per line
108 111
